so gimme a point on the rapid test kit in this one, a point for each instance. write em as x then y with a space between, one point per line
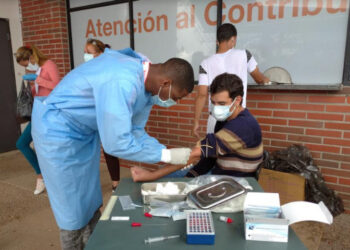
266 220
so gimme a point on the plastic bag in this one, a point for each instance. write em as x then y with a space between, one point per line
25 102
297 159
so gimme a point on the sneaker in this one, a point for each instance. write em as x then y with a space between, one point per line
40 186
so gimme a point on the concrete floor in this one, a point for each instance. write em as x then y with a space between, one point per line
27 221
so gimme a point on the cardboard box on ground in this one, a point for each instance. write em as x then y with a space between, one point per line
291 187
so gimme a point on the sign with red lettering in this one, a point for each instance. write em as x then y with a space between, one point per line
305 37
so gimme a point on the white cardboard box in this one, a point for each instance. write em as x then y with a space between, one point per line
276 229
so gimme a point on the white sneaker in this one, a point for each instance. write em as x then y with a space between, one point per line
40 186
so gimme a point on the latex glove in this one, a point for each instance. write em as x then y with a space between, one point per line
179 156
30 77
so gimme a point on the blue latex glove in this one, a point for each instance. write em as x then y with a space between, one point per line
29 77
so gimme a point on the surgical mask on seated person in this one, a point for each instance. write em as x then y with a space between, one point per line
158 101
88 57
221 113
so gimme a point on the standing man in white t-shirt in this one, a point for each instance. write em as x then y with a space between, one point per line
226 60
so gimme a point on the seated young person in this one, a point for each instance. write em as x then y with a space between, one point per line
234 149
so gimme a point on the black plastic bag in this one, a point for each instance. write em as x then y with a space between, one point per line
297 159
25 102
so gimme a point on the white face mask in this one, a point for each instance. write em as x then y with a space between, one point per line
221 113
32 67
88 57
167 103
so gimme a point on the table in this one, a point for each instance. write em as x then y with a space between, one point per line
120 235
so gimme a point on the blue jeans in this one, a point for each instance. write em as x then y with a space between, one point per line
23 144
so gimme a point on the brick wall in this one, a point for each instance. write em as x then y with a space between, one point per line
317 119
44 24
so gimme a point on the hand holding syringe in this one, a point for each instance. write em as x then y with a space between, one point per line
160 238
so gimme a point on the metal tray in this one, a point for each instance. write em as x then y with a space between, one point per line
215 193
163 197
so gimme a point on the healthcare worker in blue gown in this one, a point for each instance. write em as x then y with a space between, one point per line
108 100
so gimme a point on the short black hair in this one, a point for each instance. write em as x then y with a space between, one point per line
225 32
227 82
181 72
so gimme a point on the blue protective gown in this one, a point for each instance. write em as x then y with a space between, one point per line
103 100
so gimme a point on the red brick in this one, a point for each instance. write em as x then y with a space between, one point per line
338 108
339 126
346 134
186 101
186 115
336 157
179 132
189 139
336 172
345 166
167 125
259 97
324 116
180 108
152 124
303 138
323 133
337 142
291 98
265 127
179 120
272 121
344 181
168 113
268 105
330 179
307 107
266 142
289 130
323 148
305 123
288 114
261 112
282 144
345 151
158 130
347 118
327 99
278 136
344 196
315 155
170 136
251 104
325 163
185 127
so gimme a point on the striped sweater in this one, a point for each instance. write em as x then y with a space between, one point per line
235 148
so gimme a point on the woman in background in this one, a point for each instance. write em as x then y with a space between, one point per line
94 48
43 76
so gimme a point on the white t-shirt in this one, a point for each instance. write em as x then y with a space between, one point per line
233 61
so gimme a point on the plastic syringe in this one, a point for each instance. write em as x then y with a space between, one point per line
160 238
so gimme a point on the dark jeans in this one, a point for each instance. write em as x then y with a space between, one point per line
76 239
113 166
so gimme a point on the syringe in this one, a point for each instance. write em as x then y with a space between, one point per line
160 238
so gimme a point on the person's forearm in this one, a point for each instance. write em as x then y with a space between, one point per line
159 173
